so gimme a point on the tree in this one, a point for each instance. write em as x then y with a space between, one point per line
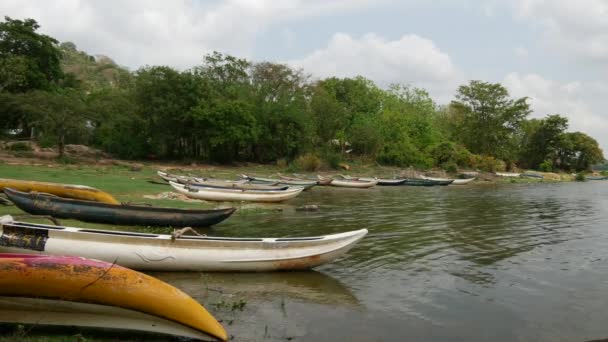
541 140
60 114
32 58
279 99
578 151
491 119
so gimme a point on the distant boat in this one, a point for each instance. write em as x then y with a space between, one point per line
508 174
156 252
352 183
532 175
74 291
380 181
596 177
274 181
427 182
455 181
215 194
129 215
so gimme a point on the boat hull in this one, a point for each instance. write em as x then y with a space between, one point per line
426 182
149 252
76 279
80 192
346 183
211 194
39 204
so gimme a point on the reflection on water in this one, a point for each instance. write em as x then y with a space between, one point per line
440 262
309 287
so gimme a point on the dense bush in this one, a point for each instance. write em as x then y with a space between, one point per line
308 162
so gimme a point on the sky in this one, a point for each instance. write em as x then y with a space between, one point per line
553 51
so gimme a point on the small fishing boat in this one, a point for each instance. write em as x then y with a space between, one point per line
354 183
455 181
532 175
381 181
298 182
508 174
153 252
189 179
88 211
63 190
324 181
596 177
74 291
215 194
427 182
241 186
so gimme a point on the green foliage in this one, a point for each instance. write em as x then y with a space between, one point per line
490 164
332 159
450 167
20 146
546 166
308 162
28 60
578 151
541 140
580 177
489 119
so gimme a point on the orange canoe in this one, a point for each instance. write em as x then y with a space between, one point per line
80 282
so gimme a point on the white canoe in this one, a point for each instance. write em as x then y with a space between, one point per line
300 182
354 183
455 181
508 174
23 310
178 178
216 194
157 252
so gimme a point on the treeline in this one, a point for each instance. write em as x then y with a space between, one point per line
230 109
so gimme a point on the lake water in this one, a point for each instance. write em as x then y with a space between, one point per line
515 262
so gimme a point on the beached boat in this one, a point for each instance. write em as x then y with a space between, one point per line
241 186
381 181
325 181
152 252
215 194
427 182
189 179
42 204
596 177
297 182
352 183
63 190
85 292
455 181
508 174
532 175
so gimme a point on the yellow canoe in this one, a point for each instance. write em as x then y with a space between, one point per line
80 280
63 190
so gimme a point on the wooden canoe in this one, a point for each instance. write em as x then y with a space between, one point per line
63 190
508 174
241 186
153 252
455 181
41 204
596 177
80 280
353 183
318 179
261 180
214 194
426 182
185 179
381 181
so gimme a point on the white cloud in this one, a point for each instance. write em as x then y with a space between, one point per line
410 59
175 33
576 28
580 102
